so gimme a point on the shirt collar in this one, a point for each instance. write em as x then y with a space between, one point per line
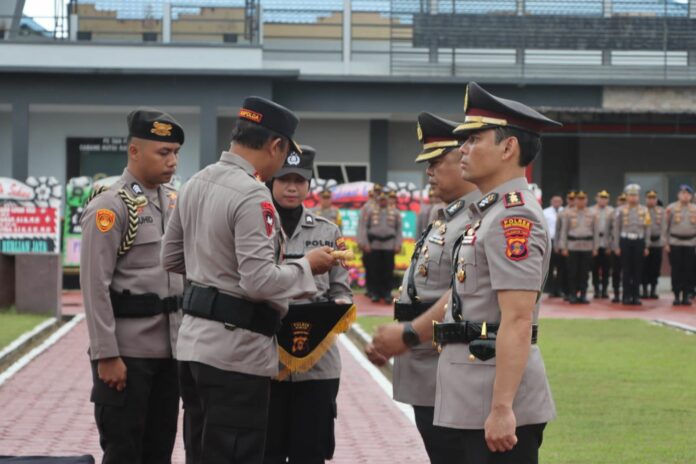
489 199
229 157
136 189
458 205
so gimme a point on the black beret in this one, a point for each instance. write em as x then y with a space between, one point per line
271 116
299 163
435 133
486 111
153 124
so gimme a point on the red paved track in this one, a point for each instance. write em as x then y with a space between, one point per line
44 409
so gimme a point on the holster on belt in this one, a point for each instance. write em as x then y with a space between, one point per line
405 312
233 312
127 305
480 336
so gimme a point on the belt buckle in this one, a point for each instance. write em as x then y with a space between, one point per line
228 326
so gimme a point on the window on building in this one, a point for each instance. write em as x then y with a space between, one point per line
342 172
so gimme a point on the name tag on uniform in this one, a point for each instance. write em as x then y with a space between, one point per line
437 239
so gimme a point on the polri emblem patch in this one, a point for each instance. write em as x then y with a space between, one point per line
105 220
268 217
517 231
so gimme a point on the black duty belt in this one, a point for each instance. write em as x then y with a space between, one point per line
209 303
589 237
601 234
405 312
380 238
467 332
145 305
654 238
683 237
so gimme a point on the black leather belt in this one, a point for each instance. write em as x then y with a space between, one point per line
683 237
467 332
209 303
145 305
590 237
405 312
380 238
654 238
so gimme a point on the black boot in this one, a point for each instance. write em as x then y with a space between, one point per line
583 298
645 292
686 301
605 293
617 297
677 300
573 299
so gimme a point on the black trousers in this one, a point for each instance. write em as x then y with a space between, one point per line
632 259
301 422
600 270
615 272
653 263
369 273
554 279
579 263
469 446
434 437
138 425
225 415
383 267
681 259
564 279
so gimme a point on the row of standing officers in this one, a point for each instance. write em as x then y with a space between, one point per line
626 242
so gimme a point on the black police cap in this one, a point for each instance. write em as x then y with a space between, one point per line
486 111
435 133
299 163
271 116
153 124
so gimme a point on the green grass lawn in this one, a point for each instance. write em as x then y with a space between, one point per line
625 392
12 325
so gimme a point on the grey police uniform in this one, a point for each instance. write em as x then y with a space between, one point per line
680 233
132 312
601 265
487 262
315 231
332 214
382 231
415 371
631 235
579 235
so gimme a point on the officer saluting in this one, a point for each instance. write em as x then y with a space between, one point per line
492 393
653 263
131 303
631 241
429 275
225 236
680 233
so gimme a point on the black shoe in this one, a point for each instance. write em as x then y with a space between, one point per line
627 301
374 299
677 300
573 299
636 302
616 298
583 299
686 301
645 293
605 295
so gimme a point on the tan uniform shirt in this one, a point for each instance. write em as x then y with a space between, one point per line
363 218
332 214
632 223
657 226
226 234
510 251
382 223
579 230
415 371
681 224
559 225
604 216
138 271
311 232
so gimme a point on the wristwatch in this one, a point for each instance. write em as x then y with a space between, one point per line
410 336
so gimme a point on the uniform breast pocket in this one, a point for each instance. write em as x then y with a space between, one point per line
145 251
465 270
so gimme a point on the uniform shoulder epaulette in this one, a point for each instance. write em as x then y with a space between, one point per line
455 207
320 219
513 199
486 202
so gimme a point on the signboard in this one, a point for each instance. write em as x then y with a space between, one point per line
30 215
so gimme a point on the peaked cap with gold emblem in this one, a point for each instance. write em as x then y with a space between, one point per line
435 133
153 124
486 111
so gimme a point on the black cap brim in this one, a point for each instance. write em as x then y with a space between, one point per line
304 173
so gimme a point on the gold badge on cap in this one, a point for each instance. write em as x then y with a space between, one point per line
161 128
419 132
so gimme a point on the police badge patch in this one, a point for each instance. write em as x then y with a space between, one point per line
294 159
517 231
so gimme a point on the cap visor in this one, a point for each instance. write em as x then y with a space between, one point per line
428 155
305 173
468 127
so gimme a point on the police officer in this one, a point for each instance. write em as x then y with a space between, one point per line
363 243
492 399
131 303
601 262
563 262
653 262
225 236
631 241
383 239
426 210
303 406
327 210
579 238
429 274
680 233
615 258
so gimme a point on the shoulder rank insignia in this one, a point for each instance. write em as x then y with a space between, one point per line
517 231
512 199
105 220
309 219
137 189
487 201
455 207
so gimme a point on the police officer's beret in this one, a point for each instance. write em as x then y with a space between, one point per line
271 116
299 163
603 194
687 188
486 111
581 194
632 189
153 124
435 133
651 194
